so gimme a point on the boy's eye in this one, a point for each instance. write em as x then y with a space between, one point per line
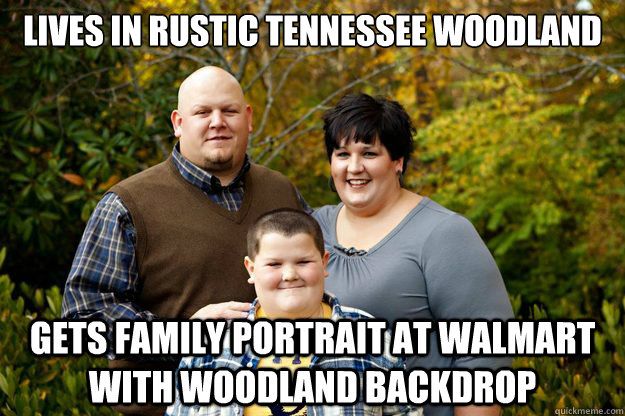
303 262
273 264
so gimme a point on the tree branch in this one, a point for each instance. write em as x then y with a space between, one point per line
323 102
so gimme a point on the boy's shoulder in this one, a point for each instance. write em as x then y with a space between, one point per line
348 312
340 311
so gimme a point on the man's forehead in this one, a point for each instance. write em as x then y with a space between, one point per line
210 97
212 101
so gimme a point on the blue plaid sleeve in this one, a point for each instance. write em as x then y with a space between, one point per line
303 203
102 282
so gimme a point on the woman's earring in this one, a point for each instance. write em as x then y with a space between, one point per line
331 184
400 175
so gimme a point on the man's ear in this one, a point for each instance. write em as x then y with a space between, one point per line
248 114
249 265
325 259
176 122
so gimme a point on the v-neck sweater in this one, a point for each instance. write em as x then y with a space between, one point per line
190 250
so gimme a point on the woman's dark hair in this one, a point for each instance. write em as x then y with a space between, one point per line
363 118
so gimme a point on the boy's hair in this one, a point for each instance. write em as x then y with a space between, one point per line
287 222
363 118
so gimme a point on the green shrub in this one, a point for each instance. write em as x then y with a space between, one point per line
595 382
32 385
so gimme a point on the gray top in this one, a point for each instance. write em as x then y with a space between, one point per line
432 265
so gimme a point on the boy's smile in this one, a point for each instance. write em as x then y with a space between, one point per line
288 274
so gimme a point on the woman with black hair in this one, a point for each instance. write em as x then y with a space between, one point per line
397 254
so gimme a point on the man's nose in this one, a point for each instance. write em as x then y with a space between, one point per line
217 119
288 273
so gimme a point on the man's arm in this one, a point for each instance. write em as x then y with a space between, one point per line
305 207
103 280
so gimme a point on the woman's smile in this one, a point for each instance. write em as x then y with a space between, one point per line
358 183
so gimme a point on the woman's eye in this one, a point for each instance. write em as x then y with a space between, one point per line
342 154
371 154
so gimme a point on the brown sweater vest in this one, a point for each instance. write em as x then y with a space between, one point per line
190 250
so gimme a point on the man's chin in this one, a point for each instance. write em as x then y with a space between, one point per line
215 165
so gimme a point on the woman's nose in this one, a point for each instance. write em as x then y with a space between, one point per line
355 164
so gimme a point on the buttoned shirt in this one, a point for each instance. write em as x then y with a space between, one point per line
226 360
103 282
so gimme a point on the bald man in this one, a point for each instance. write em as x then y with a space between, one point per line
168 241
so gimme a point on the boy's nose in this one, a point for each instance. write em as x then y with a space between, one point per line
288 273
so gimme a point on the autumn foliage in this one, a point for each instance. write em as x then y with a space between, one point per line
528 143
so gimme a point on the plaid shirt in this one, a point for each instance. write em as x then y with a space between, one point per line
103 282
249 360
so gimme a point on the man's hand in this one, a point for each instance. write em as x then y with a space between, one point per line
225 310
493 410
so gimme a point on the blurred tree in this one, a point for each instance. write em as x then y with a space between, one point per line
77 120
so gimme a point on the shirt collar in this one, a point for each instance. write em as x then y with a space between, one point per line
337 312
202 179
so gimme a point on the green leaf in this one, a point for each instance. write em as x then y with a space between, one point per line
4 385
38 130
20 154
19 177
73 196
53 306
3 255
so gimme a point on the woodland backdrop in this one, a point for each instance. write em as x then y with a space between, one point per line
528 143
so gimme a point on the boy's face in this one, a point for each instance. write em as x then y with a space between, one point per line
288 275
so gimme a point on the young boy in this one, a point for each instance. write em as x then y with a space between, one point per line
286 263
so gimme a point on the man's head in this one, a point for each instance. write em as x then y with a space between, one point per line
287 264
213 121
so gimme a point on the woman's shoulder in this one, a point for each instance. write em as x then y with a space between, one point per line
447 228
326 215
435 221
